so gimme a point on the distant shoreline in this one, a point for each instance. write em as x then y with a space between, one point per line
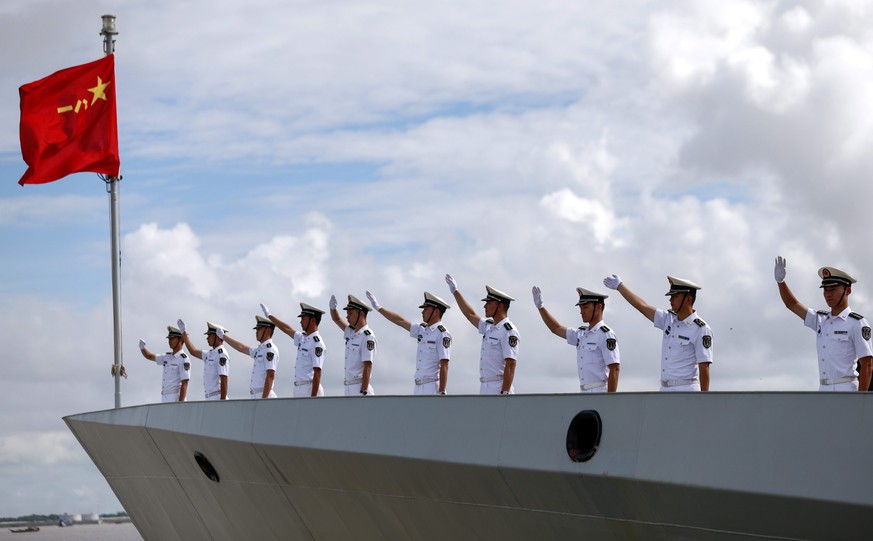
47 522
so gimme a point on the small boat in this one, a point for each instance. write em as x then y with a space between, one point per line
25 530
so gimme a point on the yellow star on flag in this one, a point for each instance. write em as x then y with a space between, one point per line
98 90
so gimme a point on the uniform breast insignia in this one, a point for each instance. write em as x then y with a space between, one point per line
319 351
371 345
316 338
513 340
448 341
222 361
187 366
270 356
865 333
700 322
419 338
507 326
604 328
610 344
707 341
367 332
440 328
855 315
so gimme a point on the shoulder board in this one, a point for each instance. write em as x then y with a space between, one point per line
700 322
671 312
604 328
507 326
490 320
441 328
184 356
583 328
316 338
220 350
367 332
823 312
855 315
268 345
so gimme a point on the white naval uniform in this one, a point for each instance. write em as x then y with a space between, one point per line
265 357
499 342
360 348
685 344
215 365
434 345
840 343
177 368
310 355
596 349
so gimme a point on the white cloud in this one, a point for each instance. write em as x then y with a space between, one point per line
43 448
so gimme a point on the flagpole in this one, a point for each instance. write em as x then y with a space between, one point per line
109 34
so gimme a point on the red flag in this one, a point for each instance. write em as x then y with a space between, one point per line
69 124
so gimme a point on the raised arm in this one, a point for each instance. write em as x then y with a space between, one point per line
788 298
281 325
335 316
463 305
552 323
145 351
235 344
646 309
192 349
393 317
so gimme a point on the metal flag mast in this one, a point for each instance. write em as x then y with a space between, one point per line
109 34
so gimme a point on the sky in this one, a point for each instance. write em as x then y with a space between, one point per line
284 151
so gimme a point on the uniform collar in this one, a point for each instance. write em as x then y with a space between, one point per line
434 326
267 341
595 327
844 314
690 319
502 321
362 329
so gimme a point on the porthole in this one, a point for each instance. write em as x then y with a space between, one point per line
206 466
583 435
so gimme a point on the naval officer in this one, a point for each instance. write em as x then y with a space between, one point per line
265 357
597 354
360 345
310 349
842 336
434 343
499 353
686 345
175 364
216 366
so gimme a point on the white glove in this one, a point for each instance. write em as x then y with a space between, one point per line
265 310
453 285
373 301
219 332
537 296
779 270
612 281
182 326
332 303
142 344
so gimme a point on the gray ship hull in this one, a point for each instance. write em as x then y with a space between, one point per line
696 466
